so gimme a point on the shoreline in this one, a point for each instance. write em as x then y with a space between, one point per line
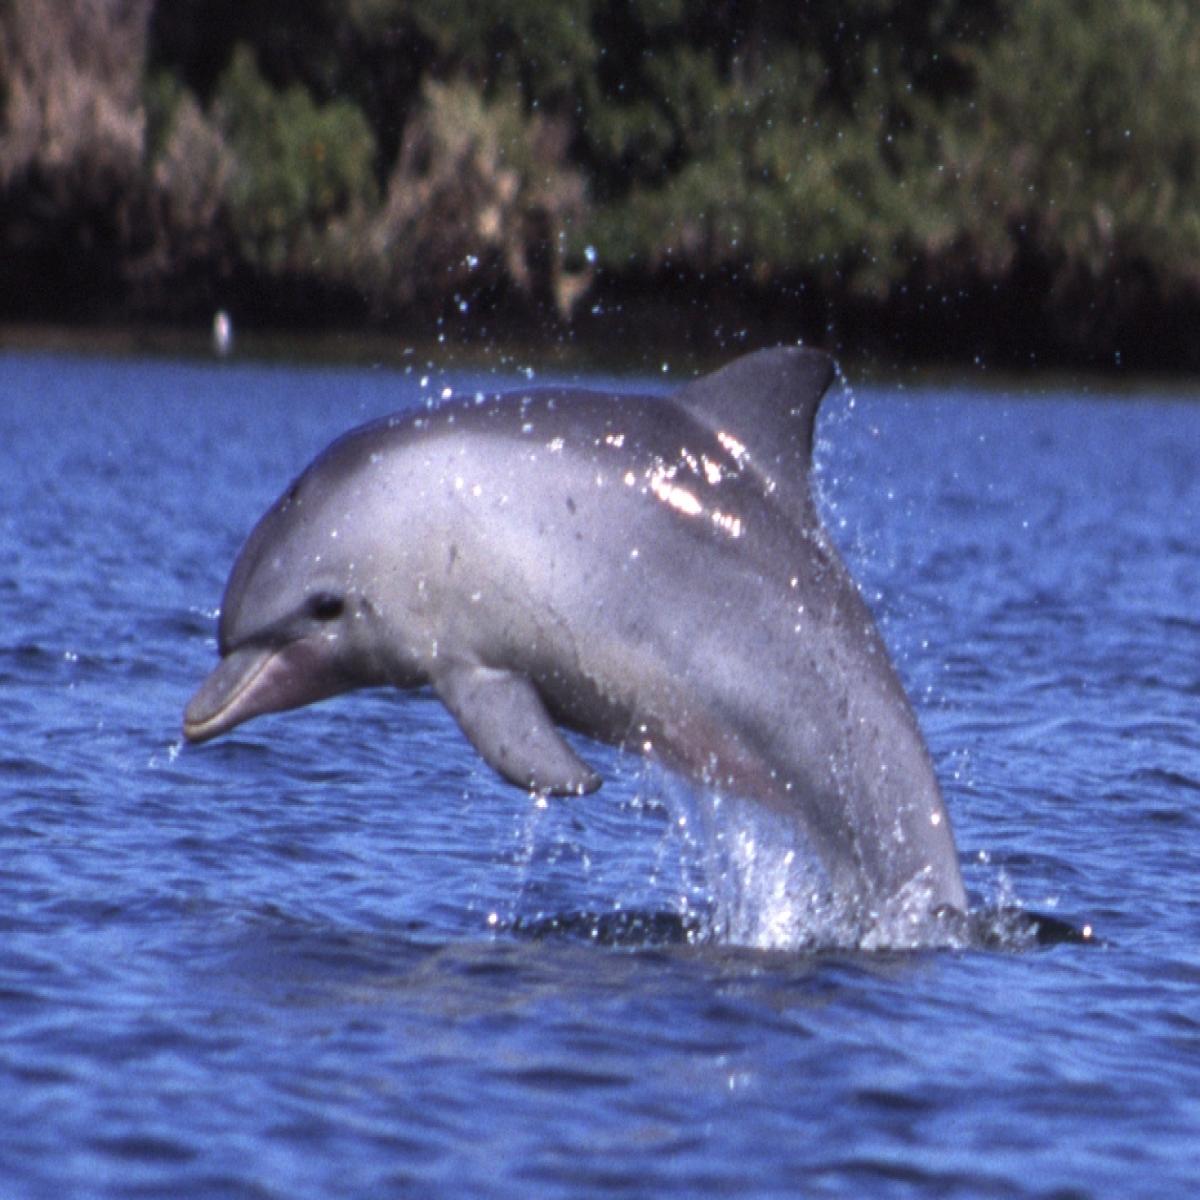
561 352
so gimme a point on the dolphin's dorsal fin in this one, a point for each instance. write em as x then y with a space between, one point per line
767 403
505 720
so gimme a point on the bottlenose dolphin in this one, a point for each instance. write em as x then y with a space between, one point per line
648 570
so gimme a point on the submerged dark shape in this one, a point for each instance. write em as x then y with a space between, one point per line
649 570
1012 928
1006 928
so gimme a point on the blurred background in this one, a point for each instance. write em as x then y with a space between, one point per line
999 182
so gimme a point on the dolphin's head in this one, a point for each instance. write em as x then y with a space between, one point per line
300 620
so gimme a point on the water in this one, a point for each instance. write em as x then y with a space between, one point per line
330 955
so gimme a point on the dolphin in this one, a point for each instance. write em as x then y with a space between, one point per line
648 570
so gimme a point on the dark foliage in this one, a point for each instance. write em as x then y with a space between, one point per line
1007 179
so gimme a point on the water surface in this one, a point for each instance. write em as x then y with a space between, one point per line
301 961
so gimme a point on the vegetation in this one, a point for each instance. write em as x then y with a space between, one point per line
1002 179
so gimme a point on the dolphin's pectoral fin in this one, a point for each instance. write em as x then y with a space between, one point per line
504 718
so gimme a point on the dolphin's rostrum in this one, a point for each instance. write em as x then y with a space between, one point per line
648 570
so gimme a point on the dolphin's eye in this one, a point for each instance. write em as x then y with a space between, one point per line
325 606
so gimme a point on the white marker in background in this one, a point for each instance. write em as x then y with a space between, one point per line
222 333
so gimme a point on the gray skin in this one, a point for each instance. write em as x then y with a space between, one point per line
650 571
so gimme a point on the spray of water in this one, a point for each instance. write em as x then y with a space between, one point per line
725 871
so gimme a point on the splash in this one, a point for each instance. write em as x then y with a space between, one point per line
768 891
724 871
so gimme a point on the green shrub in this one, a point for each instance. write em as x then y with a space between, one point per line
1084 139
299 165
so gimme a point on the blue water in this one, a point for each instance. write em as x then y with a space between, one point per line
317 958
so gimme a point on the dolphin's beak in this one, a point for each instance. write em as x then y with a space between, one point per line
253 680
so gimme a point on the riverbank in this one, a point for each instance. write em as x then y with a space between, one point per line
1006 185
562 354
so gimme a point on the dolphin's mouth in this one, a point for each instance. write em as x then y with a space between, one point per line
253 680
